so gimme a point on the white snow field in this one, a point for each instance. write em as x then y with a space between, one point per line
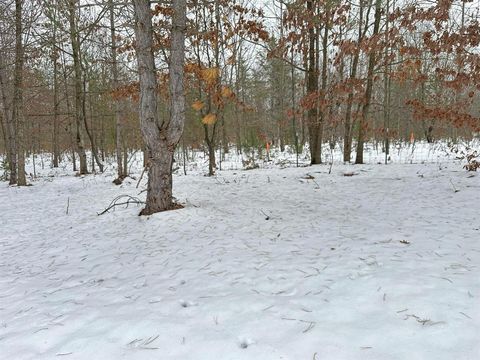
290 263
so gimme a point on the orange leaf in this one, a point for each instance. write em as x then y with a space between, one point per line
210 75
227 92
198 105
209 119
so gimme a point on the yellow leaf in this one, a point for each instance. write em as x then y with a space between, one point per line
191 68
227 92
209 119
198 105
210 75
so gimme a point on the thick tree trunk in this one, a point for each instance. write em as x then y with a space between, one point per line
159 188
160 139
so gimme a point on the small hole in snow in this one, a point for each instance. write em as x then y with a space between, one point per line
244 343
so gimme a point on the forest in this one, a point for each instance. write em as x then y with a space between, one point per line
305 172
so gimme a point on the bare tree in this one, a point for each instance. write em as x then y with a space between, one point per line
18 93
79 114
372 59
121 170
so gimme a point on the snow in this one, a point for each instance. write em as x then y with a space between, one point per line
272 263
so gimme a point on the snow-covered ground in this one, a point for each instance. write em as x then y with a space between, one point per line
271 263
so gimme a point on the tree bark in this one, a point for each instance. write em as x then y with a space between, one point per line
10 129
160 139
347 142
312 88
79 114
90 134
369 88
121 171
56 152
18 116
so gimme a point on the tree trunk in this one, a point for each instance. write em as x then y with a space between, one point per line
18 115
294 116
10 131
121 171
212 164
387 92
160 139
312 89
77 66
347 142
93 145
56 152
369 88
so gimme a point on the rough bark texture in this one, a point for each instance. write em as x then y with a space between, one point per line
160 138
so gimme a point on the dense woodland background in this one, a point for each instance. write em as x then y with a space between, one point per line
292 74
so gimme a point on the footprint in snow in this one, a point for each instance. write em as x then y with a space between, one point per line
244 343
186 304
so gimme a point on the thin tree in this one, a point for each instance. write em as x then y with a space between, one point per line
18 117
121 171
369 87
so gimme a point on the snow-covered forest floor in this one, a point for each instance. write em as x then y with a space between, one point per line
272 263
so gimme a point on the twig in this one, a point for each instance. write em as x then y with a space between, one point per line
141 177
267 217
454 188
115 202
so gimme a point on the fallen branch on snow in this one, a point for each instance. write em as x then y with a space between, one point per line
120 201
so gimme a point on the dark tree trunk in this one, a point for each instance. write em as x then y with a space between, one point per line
312 89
